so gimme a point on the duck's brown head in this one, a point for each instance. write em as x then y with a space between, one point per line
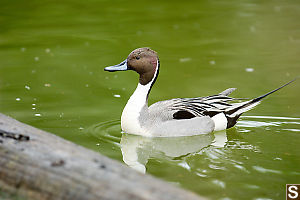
142 60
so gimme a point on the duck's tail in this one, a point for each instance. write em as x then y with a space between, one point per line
233 113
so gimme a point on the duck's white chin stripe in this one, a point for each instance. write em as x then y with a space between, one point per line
220 121
155 73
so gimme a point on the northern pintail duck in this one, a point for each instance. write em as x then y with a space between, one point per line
175 117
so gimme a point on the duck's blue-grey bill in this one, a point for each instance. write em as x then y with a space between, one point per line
120 67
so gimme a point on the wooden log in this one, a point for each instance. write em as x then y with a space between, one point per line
39 165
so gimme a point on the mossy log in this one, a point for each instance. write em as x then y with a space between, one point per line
39 165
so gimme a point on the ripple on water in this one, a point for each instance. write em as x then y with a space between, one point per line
237 144
248 124
249 186
290 129
219 183
109 131
265 170
240 167
268 121
272 117
185 165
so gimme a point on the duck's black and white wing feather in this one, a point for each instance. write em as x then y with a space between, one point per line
187 108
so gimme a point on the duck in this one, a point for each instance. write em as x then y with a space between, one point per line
179 116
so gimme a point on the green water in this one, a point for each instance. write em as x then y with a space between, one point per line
52 55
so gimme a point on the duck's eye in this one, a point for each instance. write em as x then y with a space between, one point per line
137 57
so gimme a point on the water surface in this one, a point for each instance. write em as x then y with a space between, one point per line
52 56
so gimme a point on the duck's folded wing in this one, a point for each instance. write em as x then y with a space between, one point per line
187 108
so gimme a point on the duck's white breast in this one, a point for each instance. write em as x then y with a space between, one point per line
136 104
129 120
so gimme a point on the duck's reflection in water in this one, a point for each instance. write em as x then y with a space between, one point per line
136 150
